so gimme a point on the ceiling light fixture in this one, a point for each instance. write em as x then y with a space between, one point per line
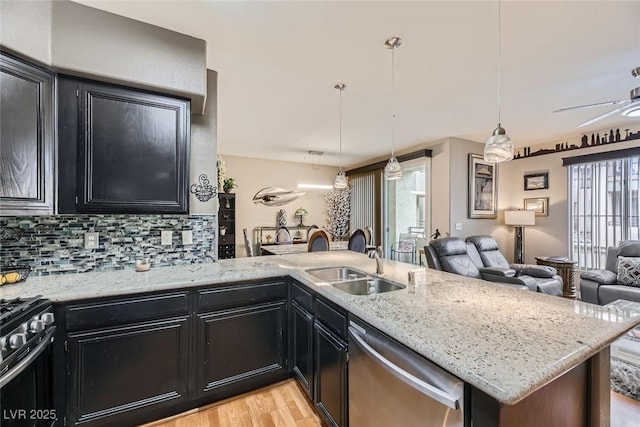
499 147
340 182
393 170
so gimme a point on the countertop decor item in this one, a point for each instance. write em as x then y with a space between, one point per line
143 264
204 191
14 274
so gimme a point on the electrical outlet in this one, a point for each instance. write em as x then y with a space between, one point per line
187 237
166 237
458 226
91 240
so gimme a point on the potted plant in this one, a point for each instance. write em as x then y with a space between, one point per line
228 185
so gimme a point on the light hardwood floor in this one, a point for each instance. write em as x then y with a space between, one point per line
284 404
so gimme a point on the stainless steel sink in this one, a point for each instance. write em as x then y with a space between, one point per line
336 274
367 286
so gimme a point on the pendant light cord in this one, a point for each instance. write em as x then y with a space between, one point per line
499 58
340 89
393 114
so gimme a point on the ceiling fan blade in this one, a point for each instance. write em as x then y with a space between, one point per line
602 116
599 104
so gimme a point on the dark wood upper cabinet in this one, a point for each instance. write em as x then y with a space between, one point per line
131 149
27 135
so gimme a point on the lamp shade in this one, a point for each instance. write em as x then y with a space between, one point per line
520 217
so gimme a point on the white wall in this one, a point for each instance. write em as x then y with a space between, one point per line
25 27
459 189
440 187
87 42
204 147
550 235
252 175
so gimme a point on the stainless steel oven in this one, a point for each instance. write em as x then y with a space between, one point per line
26 333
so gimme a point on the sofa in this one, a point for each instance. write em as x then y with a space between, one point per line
547 281
454 255
618 280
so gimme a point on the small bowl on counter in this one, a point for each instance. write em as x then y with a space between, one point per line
143 264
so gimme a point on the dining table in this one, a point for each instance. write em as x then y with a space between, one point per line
288 249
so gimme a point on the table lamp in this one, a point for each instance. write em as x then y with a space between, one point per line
519 219
301 212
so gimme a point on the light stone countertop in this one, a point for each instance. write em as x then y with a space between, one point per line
507 343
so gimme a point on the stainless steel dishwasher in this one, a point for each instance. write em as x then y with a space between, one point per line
389 385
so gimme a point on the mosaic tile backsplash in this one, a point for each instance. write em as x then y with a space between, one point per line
55 244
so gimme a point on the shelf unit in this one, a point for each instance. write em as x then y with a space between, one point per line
227 219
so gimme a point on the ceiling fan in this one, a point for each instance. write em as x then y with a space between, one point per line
628 107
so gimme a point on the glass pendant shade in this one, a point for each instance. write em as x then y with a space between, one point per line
393 170
499 147
341 181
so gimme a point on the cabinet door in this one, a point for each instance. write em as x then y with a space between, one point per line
330 376
240 349
132 149
27 133
302 347
118 374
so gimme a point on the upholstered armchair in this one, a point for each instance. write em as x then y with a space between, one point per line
547 281
620 279
451 254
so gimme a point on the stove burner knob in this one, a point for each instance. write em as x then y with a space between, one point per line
47 318
17 340
36 326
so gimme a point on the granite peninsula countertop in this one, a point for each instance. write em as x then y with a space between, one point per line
507 343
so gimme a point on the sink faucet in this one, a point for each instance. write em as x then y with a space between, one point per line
377 254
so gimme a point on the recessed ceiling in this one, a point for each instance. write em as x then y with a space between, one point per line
278 63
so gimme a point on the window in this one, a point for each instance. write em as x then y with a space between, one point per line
604 207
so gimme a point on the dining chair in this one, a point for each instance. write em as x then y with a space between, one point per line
283 237
247 243
319 241
357 241
368 232
311 229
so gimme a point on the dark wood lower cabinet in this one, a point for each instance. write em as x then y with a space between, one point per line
240 349
330 375
114 373
302 347
133 359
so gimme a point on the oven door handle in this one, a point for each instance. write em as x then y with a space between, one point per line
24 363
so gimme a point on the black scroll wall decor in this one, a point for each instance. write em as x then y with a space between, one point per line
204 191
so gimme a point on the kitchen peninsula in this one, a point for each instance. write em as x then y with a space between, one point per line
512 347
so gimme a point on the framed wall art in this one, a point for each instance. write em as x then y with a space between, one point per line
536 181
540 205
482 188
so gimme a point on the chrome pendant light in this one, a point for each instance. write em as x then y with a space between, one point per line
499 147
393 170
340 182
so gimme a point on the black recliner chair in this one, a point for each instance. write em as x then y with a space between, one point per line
546 278
602 286
452 254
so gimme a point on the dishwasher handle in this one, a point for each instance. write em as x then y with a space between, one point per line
443 397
